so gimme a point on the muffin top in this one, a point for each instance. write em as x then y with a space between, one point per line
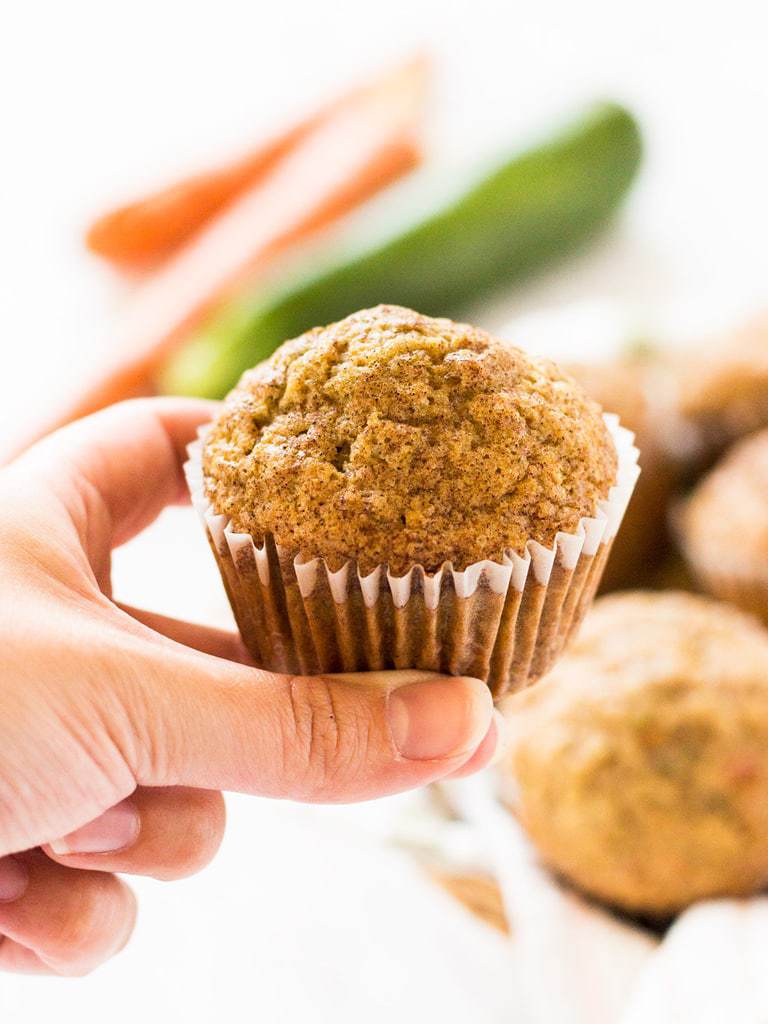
392 437
723 391
641 761
726 516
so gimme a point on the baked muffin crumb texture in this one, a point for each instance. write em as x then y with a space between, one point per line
392 437
640 761
726 518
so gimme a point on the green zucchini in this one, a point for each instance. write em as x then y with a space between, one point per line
534 208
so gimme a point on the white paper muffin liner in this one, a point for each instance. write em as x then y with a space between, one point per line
505 622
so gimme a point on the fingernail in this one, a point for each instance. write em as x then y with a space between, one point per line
114 830
503 737
439 718
14 879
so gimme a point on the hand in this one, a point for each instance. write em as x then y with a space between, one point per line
119 728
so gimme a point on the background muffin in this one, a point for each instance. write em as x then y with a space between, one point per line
724 526
394 438
401 491
640 764
723 386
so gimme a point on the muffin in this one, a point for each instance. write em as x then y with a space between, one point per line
631 388
400 491
723 391
639 766
724 527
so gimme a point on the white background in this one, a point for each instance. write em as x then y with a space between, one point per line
303 916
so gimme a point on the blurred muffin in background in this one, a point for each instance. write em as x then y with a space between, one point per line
723 387
637 390
639 766
724 527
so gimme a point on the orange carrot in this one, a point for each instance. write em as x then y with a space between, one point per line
142 233
367 142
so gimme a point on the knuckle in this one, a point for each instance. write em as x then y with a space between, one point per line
77 762
326 739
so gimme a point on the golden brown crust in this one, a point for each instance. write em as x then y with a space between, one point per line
723 391
724 527
396 438
640 761
726 518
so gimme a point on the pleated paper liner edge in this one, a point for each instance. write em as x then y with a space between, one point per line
505 622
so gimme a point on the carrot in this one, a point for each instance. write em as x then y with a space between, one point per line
366 142
142 233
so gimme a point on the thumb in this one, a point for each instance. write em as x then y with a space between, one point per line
207 722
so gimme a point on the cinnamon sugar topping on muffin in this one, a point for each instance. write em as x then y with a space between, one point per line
392 437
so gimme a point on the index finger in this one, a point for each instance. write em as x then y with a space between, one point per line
128 459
